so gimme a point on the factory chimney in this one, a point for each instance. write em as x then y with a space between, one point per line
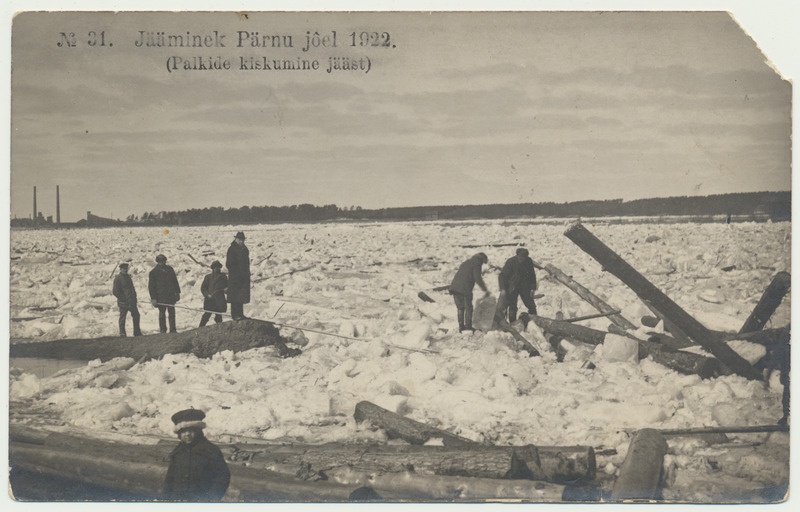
58 206
35 211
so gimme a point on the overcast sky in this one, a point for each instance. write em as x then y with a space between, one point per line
466 108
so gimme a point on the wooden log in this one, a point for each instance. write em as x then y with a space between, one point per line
543 463
478 461
415 487
682 362
769 302
724 430
564 329
640 475
670 342
588 296
203 342
526 345
663 304
670 327
590 317
260 470
400 427
765 337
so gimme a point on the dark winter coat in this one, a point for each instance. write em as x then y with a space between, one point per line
213 289
238 265
467 276
164 285
518 275
196 472
124 291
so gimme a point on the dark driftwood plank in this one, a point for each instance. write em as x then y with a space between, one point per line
769 302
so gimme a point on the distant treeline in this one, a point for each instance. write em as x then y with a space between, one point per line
759 205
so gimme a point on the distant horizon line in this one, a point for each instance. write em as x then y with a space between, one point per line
430 206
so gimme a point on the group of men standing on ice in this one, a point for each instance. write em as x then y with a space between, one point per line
517 280
217 288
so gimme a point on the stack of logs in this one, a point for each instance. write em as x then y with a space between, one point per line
331 472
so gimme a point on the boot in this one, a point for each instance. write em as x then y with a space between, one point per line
162 324
460 315
204 319
468 323
172 327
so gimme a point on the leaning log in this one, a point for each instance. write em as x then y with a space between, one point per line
640 475
203 342
768 303
648 292
589 297
400 427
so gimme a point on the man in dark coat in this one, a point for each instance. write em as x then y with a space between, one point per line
238 264
197 469
467 276
517 281
164 292
213 290
125 293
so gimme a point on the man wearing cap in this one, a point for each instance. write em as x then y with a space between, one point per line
197 469
125 293
517 279
213 290
467 276
238 264
164 292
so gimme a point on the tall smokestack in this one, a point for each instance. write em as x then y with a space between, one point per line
58 206
35 211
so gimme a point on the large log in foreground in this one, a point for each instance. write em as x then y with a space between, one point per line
648 292
268 472
203 342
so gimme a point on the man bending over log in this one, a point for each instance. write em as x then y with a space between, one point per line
467 276
517 280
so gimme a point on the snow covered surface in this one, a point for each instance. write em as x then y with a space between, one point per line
405 354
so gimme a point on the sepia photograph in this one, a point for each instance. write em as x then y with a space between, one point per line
339 256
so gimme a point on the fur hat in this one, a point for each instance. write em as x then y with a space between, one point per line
188 418
522 251
482 256
239 234
161 258
216 264
123 265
